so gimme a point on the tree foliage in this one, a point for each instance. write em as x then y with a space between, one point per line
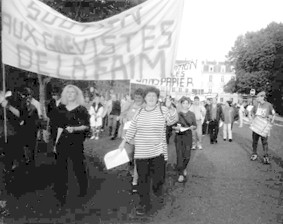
254 57
230 87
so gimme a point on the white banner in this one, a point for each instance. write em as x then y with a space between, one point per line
138 43
186 78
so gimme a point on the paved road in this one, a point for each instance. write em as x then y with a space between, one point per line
223 186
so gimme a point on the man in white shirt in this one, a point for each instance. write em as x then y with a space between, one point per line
199 111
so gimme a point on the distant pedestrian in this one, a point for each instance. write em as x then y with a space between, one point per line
228 115
12 149
126 103
114 114
205 124
52 113
265 111
200 112
242 114
148 129
96 111
184 139
213 116
169 129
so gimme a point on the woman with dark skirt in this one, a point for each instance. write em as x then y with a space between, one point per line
183 139
72 128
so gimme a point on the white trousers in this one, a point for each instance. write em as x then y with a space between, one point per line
227 129
241 118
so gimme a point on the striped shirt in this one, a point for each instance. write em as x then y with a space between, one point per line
148 128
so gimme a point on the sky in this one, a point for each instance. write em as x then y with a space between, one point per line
210 27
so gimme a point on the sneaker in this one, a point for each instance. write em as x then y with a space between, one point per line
92 137
224 139
181 179
230 140
200 147
216 141
266 160
194 148
185 172
140 210
96 138
254 157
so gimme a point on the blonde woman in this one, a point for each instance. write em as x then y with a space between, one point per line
73 123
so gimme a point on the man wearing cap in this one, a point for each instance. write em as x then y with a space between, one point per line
264 110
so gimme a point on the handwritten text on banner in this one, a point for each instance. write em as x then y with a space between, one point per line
135 44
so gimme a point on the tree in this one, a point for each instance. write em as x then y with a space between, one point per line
230 87
253 56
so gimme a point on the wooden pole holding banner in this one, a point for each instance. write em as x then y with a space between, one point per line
4 108
130 88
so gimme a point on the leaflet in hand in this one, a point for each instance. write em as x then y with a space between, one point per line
116 158
182 129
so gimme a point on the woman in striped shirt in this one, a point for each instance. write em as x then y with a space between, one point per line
148 128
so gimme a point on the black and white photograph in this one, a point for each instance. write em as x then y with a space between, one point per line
141 112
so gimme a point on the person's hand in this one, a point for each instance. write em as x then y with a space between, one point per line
70 129
54 149
2 97
4 103
177 128
122 145
207 122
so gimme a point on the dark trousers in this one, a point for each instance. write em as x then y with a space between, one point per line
13 150
104 122
264 141
169 130
183 145
152 169
112 123
53 132
213 129
204 128
76 155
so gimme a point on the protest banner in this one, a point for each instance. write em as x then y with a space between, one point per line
135 44
185 79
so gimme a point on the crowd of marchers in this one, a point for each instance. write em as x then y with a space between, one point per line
144 122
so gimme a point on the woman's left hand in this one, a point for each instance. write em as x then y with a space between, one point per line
70 129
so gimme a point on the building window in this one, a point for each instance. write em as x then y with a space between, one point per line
210 89
223 68
222 78
210 78
211 68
